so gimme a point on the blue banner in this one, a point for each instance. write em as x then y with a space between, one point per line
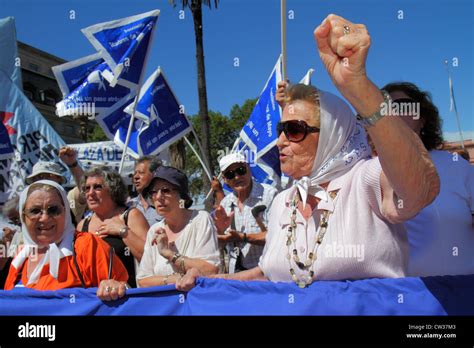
448 295
259 133
124 44
9 59
163 116
31 136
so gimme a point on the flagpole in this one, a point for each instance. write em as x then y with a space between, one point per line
283 37
453 102
199 158
129 132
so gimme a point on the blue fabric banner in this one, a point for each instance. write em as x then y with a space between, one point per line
31 136
9 60
448 295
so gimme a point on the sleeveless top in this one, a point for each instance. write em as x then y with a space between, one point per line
121 250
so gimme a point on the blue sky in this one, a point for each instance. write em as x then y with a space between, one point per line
412 48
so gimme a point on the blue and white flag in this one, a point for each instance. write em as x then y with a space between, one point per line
124 44
306 80
164 121
31 136
85 91
259 133
9 60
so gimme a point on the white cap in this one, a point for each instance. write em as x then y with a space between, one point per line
42 167
228 160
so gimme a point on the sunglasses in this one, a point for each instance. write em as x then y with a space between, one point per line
295 130
95 187
165 191
230 174
51 211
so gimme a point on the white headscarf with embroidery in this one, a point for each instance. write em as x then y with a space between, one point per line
342 143
55 252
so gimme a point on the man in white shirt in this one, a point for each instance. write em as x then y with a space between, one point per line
241 217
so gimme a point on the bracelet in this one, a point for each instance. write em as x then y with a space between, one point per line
74 165
182 266
371 120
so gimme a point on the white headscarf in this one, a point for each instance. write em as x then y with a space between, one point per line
55 252
342 143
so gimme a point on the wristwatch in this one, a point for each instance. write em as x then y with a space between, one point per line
375 117
175 257
123 231
72 165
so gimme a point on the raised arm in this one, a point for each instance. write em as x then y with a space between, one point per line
409 179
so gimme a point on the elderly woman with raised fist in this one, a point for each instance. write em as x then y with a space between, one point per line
342 218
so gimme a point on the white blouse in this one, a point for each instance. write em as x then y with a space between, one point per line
198 240
359 243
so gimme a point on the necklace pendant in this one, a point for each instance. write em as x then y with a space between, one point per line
301 284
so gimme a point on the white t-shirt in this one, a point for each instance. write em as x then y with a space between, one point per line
441 236
198 240
359 243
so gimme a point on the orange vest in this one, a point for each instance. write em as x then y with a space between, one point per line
92 255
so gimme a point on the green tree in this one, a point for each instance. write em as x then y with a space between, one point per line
195 7
97 135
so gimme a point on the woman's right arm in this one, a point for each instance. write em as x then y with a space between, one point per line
189 280
158 280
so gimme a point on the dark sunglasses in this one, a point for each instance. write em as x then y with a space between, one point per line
230 174
295 130
52 211
95 187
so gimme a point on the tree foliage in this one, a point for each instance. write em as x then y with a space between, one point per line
224 131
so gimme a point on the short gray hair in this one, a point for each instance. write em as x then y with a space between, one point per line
112 179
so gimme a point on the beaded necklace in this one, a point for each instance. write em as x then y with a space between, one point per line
308 264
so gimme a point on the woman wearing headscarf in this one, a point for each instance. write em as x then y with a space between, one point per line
54 257
342 217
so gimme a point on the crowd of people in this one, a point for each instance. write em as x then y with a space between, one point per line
371 196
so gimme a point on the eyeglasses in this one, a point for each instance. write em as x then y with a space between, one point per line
95 187
51 211
230 174
295 130
165 191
